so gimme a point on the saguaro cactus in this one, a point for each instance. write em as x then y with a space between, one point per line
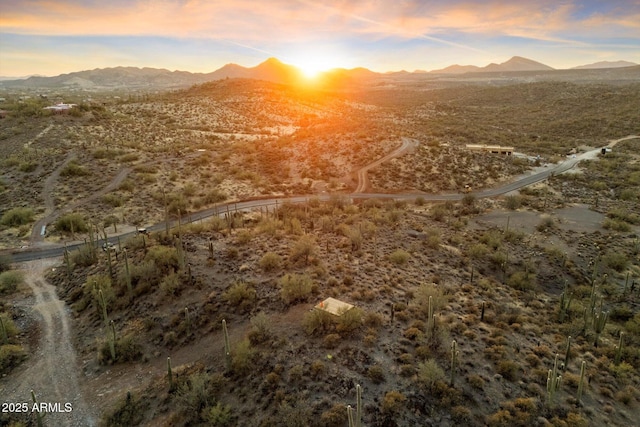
127 274
566 355
358 420
619 349
581 383
103 304
39 415
112 341
350 416
553 381
454 360
3 331
227 346
599 322
169 373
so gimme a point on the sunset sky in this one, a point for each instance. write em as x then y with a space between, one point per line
50 37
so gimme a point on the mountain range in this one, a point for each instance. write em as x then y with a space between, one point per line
271 70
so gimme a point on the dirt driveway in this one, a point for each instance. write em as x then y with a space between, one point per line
51 371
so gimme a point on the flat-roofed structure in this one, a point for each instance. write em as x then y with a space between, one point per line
334 306
493 149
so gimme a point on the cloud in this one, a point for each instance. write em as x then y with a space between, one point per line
282 19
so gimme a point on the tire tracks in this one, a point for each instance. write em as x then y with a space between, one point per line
53 371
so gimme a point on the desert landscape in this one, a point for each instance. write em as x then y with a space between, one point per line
199 232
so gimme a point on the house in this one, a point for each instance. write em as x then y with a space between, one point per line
60 108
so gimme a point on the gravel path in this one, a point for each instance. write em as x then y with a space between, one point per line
52 372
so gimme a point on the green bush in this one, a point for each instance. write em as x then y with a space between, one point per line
317 322
128 412
239 294
350 320
512 202
219 416
522 281
74 169
164 257
304 248
9 281
429 372
171 284
270 261
616 225
84 256
72 222
16 217
616 260
10 357
295 287
399 257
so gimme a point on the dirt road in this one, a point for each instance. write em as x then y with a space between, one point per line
363 180
51 372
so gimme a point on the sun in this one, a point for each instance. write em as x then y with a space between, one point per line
311 66
314 61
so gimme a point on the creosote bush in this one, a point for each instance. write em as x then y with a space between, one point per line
399 257
9 281
295 287
72 222
16 217
270 261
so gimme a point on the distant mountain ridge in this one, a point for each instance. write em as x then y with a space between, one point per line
271 70
605 64
516 63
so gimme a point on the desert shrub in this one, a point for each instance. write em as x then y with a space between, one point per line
144 276
28 166
399 257
5 263
616 225
9 281
270 261
350 320
331 341
84 256
316 322
376 374
478 251
393 402
177 205
164 257
492 238
502 418
10 357
422 294
74 169
72 222
241 357
295 287
475 381
461 415
113 200
170 284
239 293
260 329
214 196
439 212
615 260
304 248
16 217
127 412
219 415
522 280
508 369
127 349
622 214
9 327
334 417
429 372
512 202
546 223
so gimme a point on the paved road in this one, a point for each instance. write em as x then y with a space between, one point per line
33 254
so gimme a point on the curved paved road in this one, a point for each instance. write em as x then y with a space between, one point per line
28 255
